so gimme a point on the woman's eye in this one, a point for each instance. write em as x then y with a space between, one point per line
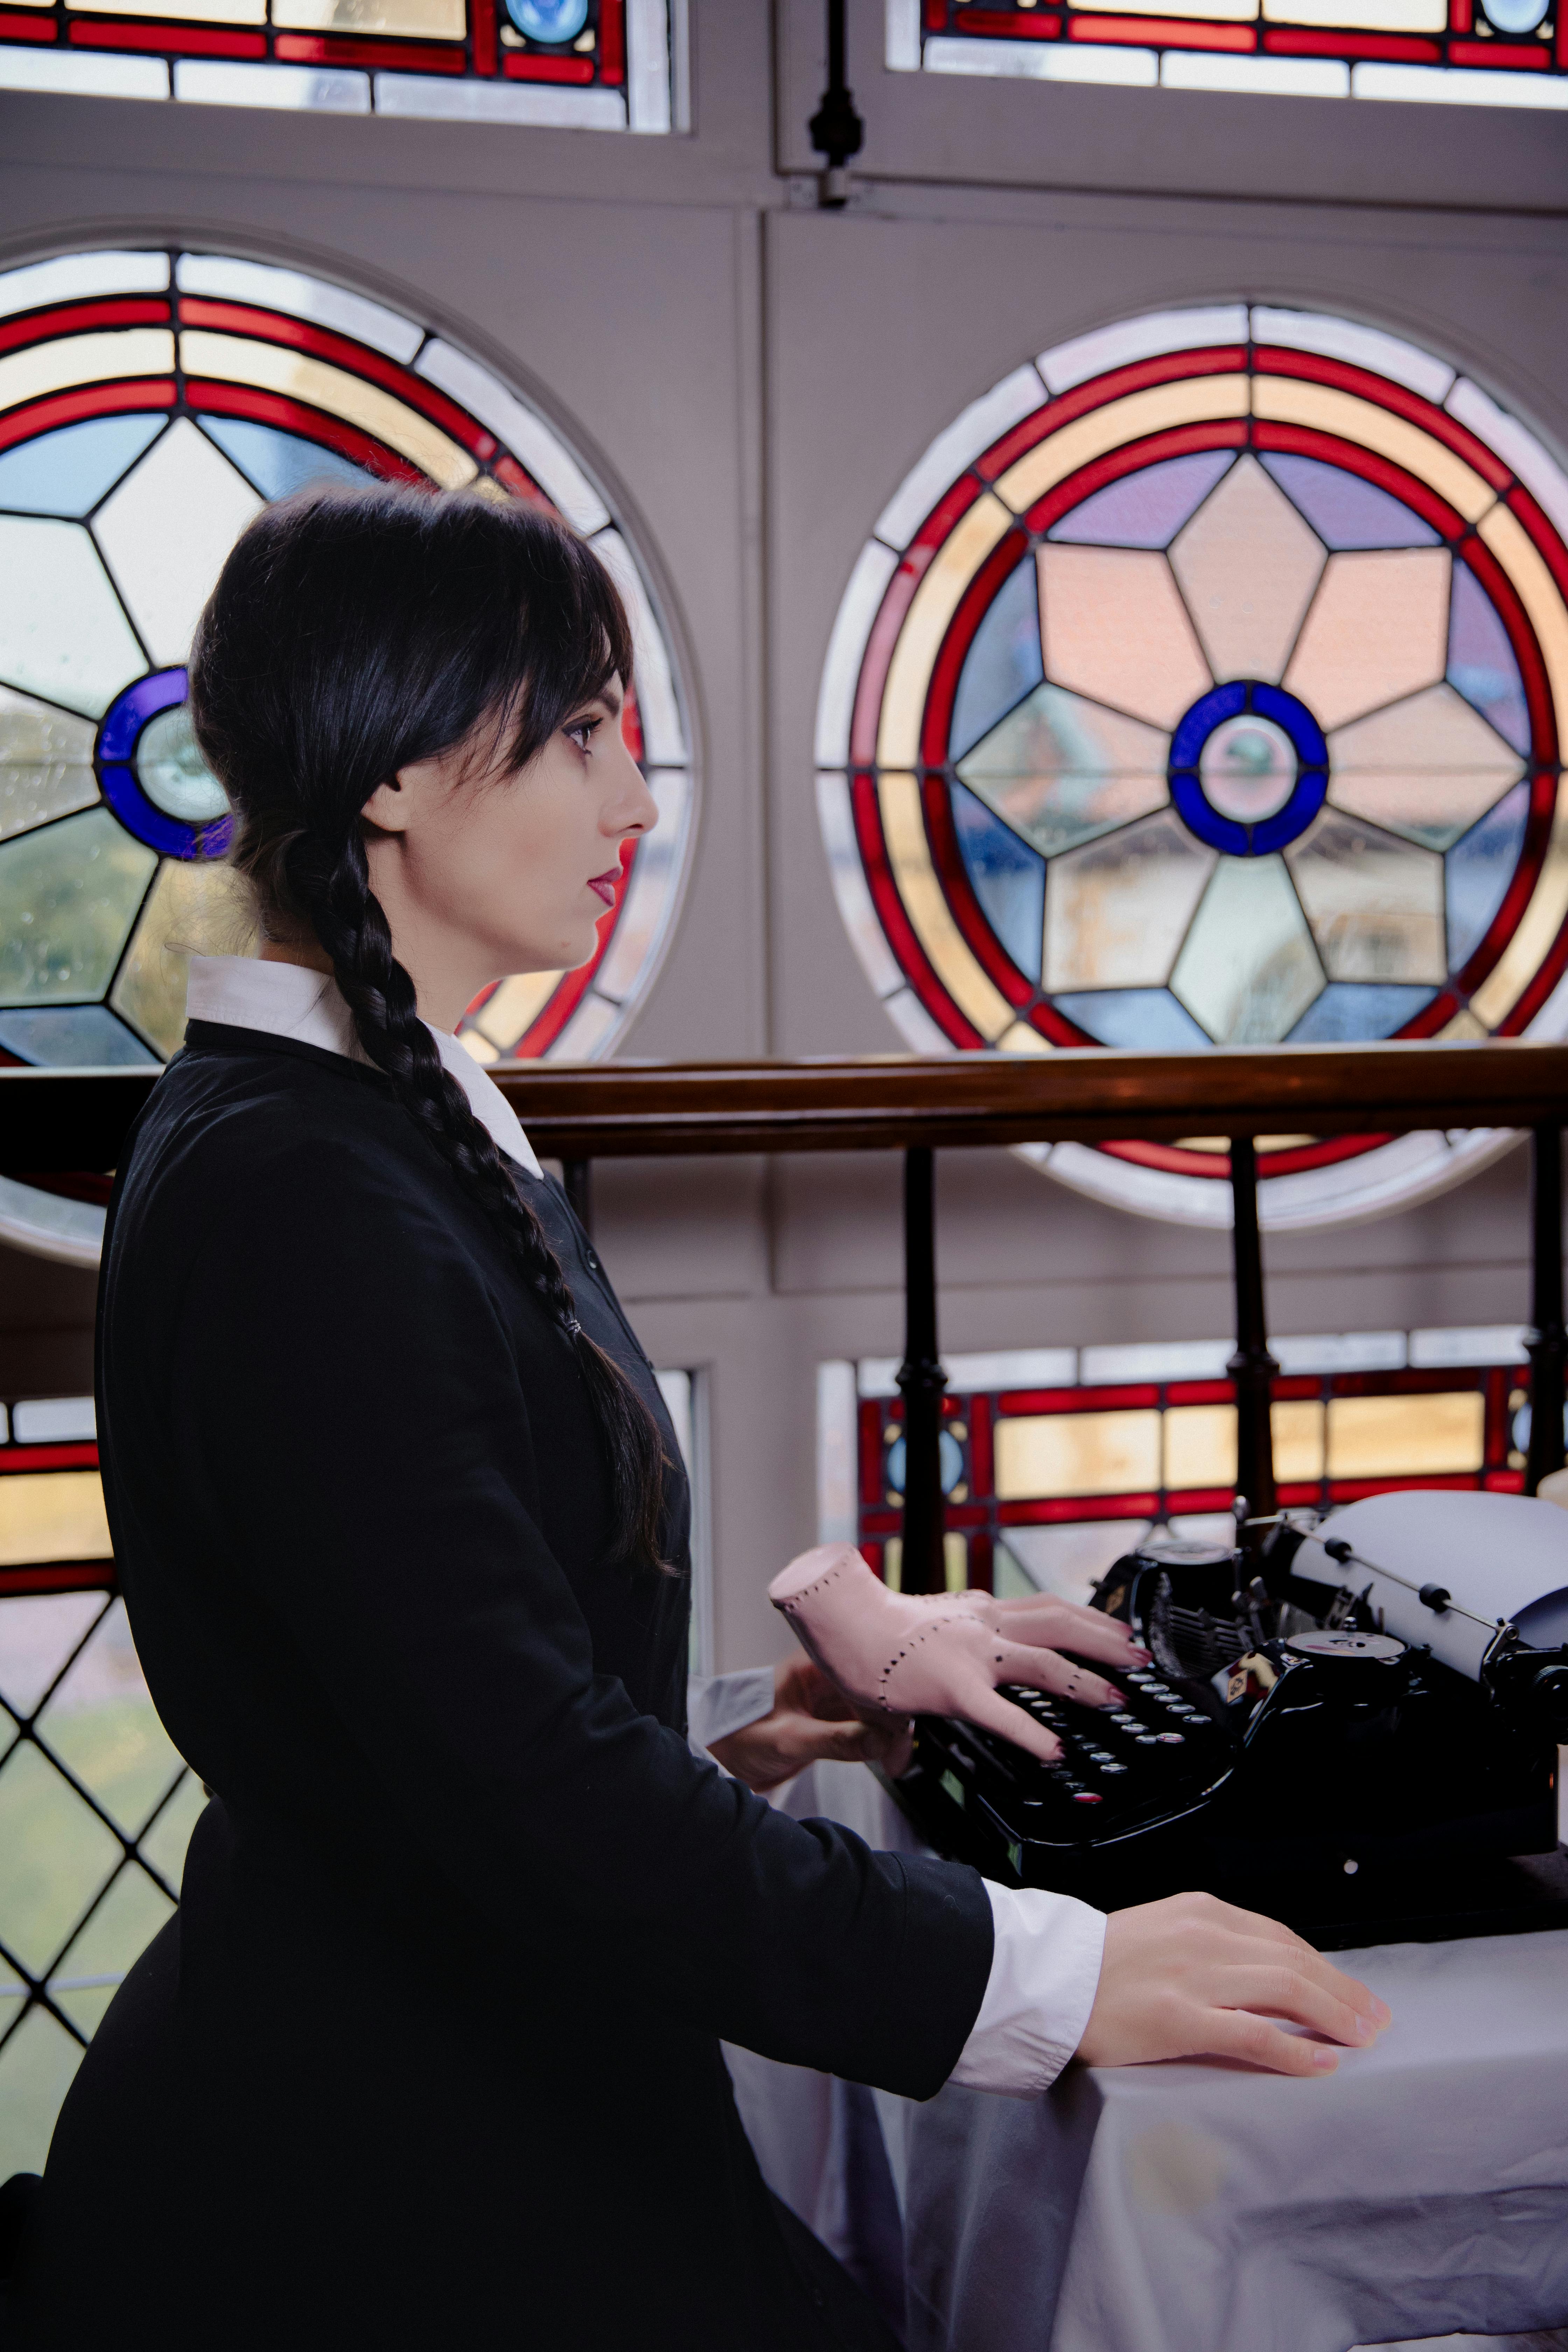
582 732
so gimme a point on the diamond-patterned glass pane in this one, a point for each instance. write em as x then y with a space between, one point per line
55 1854
101 1722
116 1934
36 2062
76 1910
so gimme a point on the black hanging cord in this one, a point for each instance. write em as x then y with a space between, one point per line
837 130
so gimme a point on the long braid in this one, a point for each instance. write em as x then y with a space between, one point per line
349 634
350 922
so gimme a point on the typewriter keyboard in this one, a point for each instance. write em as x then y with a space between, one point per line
1155 1755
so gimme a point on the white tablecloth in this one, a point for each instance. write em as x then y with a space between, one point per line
1420 2189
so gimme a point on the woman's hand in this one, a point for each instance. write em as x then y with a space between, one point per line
1194 1977
810 1719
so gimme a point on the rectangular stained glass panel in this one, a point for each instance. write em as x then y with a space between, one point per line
620 66
1405 1436
52 1514
947 37
1077 1454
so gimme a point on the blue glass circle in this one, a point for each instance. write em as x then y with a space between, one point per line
549 20
1515 15
951 1457
1308 793
124 723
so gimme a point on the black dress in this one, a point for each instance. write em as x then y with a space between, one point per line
430 2054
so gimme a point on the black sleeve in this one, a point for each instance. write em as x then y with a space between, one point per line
343 1355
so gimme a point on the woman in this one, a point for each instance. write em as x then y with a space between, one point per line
431 2052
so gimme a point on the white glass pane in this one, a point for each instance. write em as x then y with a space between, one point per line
982 423
874 567
1141 339
1341 339
1276 77
590 1031
165 533
54 1421
484 101
228 280
1013 1367
1171 1359
838 1480
650 895
1489 1343
1453 86
914 1023
647 64
1344 1352
1066 1561
1515 444
664 737
1034 61
902 54
213 82
76 276
849 886
524 432
62 633
80 72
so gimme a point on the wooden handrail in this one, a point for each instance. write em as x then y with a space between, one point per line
60 1119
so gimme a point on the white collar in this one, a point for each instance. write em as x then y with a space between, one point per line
285 999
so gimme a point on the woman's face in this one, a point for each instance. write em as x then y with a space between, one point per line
484 872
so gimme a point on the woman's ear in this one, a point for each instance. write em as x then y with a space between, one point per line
388 807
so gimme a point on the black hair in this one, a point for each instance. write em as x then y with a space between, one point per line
350 635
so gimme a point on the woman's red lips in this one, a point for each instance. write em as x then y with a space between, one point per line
605 884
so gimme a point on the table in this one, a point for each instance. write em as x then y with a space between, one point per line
1422 2189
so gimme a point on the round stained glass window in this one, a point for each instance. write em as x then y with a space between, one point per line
150 404
1204 684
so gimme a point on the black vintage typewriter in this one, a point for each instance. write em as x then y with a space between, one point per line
1352 1725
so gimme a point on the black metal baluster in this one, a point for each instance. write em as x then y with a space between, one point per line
1252 1367
577 1184
921 1382
1547 1343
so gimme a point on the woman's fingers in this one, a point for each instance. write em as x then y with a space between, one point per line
1191 1976
1229 2034
1044 1670
1275 1988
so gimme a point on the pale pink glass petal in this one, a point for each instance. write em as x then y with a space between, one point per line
1375 904
1247 565
1113 627
1377 630
1248 969
1059 769
1428 767
1116 911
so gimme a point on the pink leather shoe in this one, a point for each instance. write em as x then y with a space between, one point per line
943 1653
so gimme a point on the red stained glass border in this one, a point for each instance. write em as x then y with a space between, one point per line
476 56
196 40
339 351
1458 50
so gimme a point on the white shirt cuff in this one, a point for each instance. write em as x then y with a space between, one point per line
716 1705
1044 1973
